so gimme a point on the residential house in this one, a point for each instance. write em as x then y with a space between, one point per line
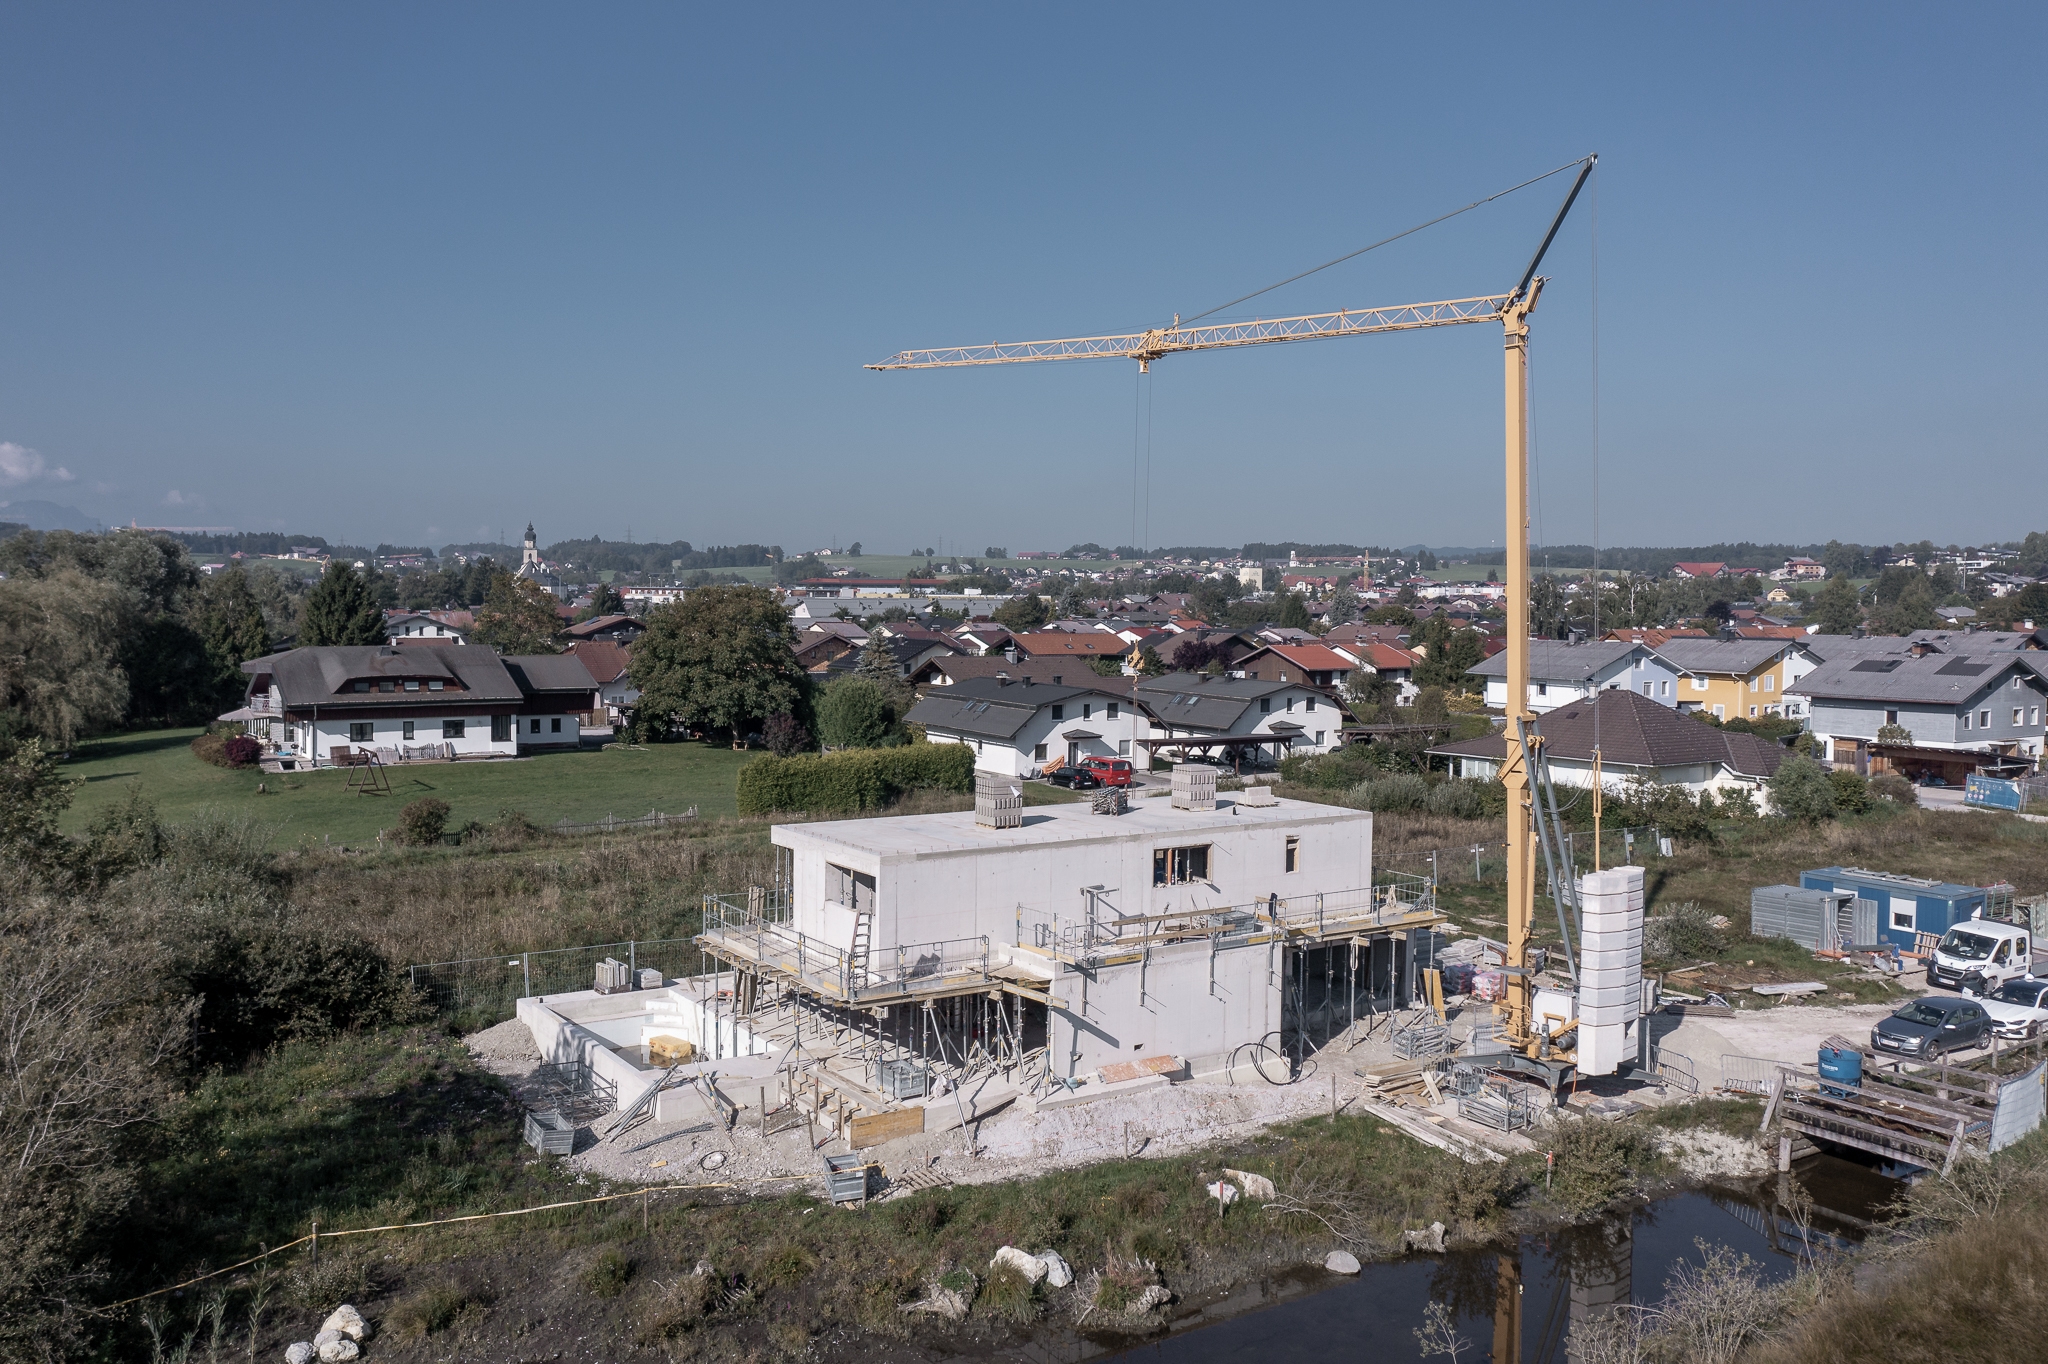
1019 727
1198 716
1175 650
1316 664
1561 672
459 700
1962 712
1079 644
1358 632
826 655
617 629
947 670
981 637
1641 740
606 661
442 627
1797 570
1699 570
1391 662
1746 678
1652 637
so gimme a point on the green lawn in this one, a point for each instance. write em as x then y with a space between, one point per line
313 805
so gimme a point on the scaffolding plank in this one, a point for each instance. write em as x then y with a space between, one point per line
872 1129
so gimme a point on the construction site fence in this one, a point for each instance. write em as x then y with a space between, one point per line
653 819
479 991
1482 863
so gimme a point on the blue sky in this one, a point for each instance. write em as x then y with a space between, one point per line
422 273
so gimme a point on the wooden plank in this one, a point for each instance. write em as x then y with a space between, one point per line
1942 1123
872 1129
1845 1139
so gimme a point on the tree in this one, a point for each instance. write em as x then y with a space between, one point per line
1106 667
723 657
341 610
33 793
1448 654
1344 605
1800 790
1074 602
1150 664
229 621
1021 614
854 713
1912 609
60 639
1293 612
785 735
604 601
1836 607
854 549
518 617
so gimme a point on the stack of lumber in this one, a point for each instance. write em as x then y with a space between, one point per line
1386 1079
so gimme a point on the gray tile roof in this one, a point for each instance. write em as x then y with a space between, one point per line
988 708
1199 701
1739 656
1554 660
326 675
549 673
1934 679
1633 731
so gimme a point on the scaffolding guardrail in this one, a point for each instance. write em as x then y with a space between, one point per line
739 934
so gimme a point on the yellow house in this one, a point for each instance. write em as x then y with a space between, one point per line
1737 678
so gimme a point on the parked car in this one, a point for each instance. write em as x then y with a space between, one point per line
1113 771
2018 1008
1931 1026
1074 778
1981 954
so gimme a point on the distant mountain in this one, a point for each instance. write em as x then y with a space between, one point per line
39 515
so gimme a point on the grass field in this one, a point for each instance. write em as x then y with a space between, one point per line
311 806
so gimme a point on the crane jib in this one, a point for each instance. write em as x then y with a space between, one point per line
1150 345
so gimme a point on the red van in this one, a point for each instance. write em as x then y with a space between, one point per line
1112 771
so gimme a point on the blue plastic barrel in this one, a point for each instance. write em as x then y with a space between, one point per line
1845 1068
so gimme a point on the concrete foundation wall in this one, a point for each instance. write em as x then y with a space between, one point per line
1166 1006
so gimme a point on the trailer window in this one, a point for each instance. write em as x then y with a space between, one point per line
1177 866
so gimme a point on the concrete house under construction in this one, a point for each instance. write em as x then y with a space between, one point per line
1217 930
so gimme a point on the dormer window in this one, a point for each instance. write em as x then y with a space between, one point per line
435 686
387 686
412 684
362 686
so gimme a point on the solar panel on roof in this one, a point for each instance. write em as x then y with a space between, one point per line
1875 665
1962 668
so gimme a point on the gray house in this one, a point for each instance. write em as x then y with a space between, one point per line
1964 712
1561 672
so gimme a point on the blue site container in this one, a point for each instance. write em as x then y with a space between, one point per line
1907 906
1845 1068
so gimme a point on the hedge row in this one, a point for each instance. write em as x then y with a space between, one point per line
859 779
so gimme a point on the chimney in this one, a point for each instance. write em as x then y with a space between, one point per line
1010 653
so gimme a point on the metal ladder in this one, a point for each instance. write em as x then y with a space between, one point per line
857 954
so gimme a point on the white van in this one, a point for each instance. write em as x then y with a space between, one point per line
1984 953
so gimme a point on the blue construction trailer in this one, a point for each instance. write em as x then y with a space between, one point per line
1909 908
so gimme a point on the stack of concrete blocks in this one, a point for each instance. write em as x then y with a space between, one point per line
1610 969
998 801
1194 786
613 977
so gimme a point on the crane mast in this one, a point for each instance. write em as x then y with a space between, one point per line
1511 310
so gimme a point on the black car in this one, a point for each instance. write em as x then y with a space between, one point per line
1932 1025
1075 779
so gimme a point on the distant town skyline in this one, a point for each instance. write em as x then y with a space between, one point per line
418 275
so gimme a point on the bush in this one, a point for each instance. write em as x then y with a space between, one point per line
1463 799
1686 933
1801 790
861 779
785 735
224 748
1399 791
1852 792
1596 1163
424 821
608 1274
1892 788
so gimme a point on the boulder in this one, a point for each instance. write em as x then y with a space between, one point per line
1030 1266
299 1352
339 1350
1058 1273
327 1336
1158 1295
940 1301
1341 1262
1254 1186
349 1322
1429 1238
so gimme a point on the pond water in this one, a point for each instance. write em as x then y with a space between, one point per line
1515 1306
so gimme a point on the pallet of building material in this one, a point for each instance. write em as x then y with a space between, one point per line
1392 1077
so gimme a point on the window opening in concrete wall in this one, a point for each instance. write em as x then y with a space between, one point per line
1293 853
1178 866
854 889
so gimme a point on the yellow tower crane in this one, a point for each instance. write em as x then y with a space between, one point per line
1511 310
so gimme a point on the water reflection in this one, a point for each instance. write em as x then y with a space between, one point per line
1517 1306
